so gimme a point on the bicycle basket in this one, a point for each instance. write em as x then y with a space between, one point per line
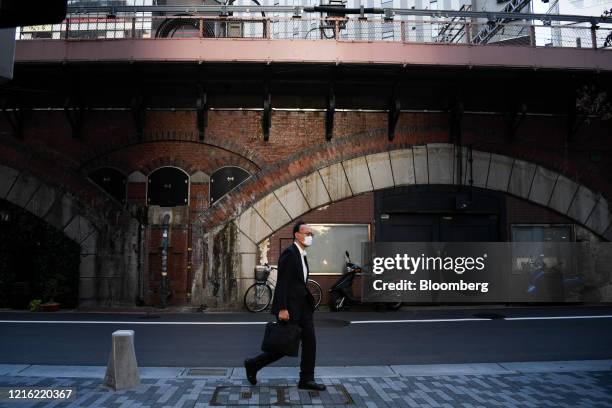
261 273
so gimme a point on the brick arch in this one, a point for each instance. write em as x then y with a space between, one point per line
162 162
435 163
148 156
120 165
246 156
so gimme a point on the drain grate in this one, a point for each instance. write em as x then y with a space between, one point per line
279 395
206 372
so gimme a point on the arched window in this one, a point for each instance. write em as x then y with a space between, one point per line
224 180
168 187
111 180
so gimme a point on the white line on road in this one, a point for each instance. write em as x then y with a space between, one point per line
124 322
418 321
482 319
560 317
352 322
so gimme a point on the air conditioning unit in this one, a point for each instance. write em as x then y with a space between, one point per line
235 29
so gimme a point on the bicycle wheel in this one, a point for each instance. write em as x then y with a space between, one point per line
315 289
257 297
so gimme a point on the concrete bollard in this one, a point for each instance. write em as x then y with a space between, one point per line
122 370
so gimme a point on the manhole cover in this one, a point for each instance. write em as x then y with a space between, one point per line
279 395
206 372
489 316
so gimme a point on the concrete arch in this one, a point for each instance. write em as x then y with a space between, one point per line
436 163
57 208
248 221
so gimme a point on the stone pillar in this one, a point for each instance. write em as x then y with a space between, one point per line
122 370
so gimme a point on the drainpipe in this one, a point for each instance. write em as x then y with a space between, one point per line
165 283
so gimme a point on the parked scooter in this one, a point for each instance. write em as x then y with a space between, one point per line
550 283
341 293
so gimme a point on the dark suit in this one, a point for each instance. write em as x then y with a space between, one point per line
292 294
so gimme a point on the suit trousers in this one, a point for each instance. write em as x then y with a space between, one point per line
309 346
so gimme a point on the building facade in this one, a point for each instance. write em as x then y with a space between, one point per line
191 158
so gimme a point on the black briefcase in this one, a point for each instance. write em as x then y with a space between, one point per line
282 338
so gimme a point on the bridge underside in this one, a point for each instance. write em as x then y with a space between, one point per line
178 85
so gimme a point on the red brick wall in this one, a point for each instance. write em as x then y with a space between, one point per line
524 212
297 142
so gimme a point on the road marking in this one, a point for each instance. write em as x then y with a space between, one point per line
418 321
560 317
480 319
124 322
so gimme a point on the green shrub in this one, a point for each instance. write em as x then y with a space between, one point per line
35 304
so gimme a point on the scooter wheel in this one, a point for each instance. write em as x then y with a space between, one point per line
336 302
393 306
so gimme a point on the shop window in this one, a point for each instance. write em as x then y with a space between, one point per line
110 180
326 254
168 187
542 233
536 245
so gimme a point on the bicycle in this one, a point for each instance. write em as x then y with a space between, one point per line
259 295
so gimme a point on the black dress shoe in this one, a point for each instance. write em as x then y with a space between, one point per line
251 371
311 385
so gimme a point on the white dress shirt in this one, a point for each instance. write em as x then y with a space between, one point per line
303 253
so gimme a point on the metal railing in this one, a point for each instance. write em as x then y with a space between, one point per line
142 25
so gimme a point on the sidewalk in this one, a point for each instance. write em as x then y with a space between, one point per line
523 384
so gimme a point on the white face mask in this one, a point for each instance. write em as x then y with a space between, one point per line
308 240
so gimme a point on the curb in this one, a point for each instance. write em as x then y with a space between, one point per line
420 370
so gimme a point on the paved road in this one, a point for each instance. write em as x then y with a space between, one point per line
222 339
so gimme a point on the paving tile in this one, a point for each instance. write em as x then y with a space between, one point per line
554 389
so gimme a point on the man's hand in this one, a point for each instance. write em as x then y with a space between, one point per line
283 314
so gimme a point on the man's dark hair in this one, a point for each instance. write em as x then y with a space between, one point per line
296 227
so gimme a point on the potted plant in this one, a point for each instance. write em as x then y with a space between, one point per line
50 291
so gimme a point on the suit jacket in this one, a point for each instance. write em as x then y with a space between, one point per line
291 292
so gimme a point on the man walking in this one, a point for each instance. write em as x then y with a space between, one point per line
293 302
